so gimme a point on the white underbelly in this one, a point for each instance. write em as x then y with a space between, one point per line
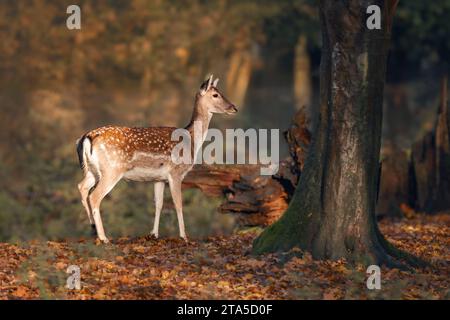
147 174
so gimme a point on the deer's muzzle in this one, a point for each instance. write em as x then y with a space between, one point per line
231 109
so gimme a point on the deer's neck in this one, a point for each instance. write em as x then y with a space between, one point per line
199 121
198 128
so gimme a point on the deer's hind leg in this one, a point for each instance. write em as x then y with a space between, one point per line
85 186
105 184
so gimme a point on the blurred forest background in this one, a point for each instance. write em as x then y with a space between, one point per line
139 63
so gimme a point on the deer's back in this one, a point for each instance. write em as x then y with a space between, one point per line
152 140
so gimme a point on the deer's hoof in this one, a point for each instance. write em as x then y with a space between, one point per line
151 236
185 239
99 241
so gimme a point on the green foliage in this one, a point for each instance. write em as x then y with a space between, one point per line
420 36
294 18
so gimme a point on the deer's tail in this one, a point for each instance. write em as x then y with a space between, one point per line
83 145
87 157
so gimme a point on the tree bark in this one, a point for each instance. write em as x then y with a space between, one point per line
332 213
441 199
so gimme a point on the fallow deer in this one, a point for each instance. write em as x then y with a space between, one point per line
110 153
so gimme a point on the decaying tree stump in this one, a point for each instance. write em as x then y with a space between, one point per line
430 162
256 200
421 182
423 168
298 138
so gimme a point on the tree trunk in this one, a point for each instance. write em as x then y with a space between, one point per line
441 199
332 213
302 75
239 74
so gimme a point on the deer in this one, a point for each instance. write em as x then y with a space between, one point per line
111 153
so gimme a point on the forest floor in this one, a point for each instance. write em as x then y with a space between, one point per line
221 268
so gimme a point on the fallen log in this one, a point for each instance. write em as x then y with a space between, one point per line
213 180
256 200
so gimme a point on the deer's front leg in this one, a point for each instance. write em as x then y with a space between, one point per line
175 190
159 199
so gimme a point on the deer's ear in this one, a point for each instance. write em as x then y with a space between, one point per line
215 83
205 85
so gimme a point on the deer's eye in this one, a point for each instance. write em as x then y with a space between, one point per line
215 95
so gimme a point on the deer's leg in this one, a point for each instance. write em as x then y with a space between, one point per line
103 187
85 186
159 198
175 190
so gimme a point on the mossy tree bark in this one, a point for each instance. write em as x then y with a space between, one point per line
332 213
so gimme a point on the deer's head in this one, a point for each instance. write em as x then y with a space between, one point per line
211 100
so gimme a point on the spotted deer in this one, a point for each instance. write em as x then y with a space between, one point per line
110 153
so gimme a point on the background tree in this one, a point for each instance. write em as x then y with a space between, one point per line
332 213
